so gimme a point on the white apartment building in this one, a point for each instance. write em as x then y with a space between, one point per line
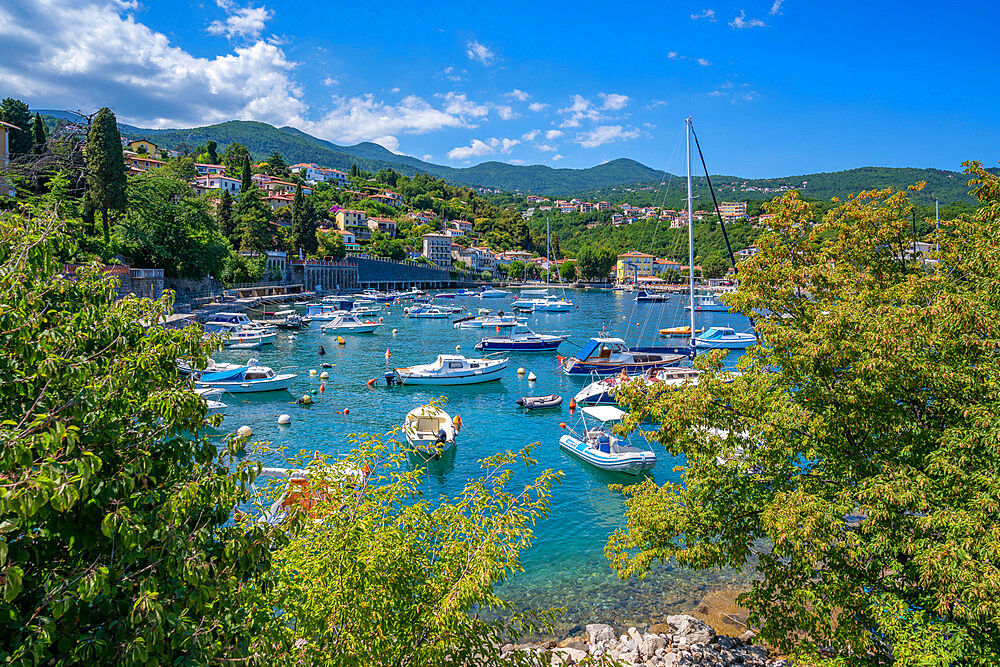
217 182
437 248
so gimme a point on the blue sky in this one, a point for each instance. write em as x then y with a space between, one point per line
775 88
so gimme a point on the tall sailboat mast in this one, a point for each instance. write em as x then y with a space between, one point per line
690 203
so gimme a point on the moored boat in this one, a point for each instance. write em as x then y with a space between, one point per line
603 390
429 430
540 402
347 323
725 338
642 296
449 369
522 339
246 379
610 355
598 446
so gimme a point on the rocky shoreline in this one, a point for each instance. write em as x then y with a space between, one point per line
678 641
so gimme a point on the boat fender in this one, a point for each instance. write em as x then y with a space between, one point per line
284 420
321 350
457 421
371 383
520 371
458 347
312 371
394 331
324 376
441 436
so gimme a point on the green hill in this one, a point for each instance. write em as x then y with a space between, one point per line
618 180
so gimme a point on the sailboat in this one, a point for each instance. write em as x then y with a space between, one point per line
542 301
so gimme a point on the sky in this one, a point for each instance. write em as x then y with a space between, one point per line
774 87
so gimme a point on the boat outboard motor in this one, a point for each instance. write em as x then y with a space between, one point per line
390 378
321 350
442 437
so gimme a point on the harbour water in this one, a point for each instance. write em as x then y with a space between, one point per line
566 566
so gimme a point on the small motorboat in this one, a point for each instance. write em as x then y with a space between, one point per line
247 345
642 296
444 295
211 395
708 303
610 355
348 323
238 335
426 312
540 402
489 321
678 331
489 293
429 430
598 446
449 369
602 391
522 339
246 379
725 338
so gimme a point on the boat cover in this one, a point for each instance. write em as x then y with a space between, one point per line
604 413
588 349
231 375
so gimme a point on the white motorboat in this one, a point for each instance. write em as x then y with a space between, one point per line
545 303
603 391
612 355
708 303
211 395
348 323
489 322
238 334
598 446
725 338
429 429
449 369
426 312
522 339
490 293
246 379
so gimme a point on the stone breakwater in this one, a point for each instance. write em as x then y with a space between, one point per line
681 640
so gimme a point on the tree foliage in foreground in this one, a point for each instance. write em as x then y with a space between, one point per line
860 444
114 546
375 574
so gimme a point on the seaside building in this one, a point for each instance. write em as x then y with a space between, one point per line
143 146
732 210
437 248
633 265
216 182
387 225
353 221
204 169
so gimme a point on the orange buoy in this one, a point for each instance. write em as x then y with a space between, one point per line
562 424
322 387
457 421
387 353
380 319
572 405
498 328
371 383
347 410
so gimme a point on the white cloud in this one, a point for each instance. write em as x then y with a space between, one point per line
715 93
453 74
330 81
537 106
704 62
673 55
394 89
363 118
742 21
614 101
478 148
604 134
245 22
518 95
707 14
657 103
479 52
776 7
387 141
513 161
556 157
530 135
49 57
507 113
549 148
458 104
427 157
581 109
553 134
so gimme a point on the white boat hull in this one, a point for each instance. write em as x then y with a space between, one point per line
476 376
352 329
278 383
631 463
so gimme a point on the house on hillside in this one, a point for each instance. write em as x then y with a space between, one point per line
216 182
353 221
139 163
143 146
204 169
633 265
386 225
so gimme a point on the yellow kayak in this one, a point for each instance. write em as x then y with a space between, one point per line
678 331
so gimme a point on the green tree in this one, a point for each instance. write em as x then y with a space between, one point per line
242 269
713 266
567 271
106 181
211 149
390 248
595 263
516 269
39 133
303 231
224 215
858 443
277 163
181 169
15 112
253 222
115 540
246 179
330 244
234 158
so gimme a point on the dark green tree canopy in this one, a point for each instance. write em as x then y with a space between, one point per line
106 179
16 112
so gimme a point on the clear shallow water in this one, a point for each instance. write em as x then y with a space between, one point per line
565 567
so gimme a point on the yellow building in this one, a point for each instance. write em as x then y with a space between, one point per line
632 265
148 146
732 210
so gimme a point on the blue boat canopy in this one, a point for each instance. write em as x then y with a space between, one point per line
588 349
234 375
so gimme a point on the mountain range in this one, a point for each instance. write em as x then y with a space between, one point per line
603 180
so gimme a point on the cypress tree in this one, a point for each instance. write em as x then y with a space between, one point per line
210 148
224 216
295 238
16 112
106 180
247 181
39 133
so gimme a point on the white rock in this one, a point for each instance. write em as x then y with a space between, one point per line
652 645
567 656
600 632
284 419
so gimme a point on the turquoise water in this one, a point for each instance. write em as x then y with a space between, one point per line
565 567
